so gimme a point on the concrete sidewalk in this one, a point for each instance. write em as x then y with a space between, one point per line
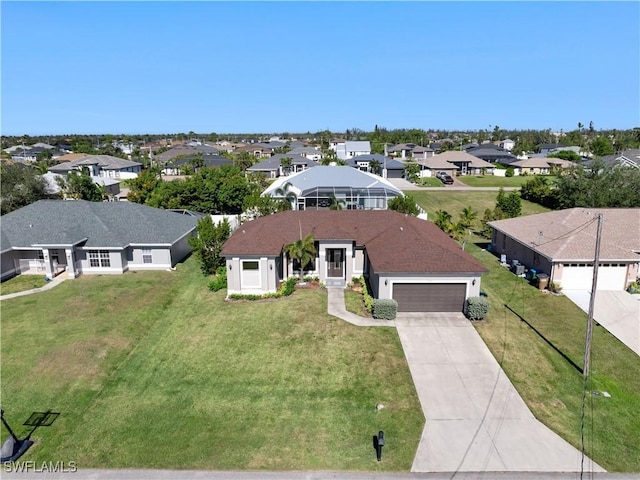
335 307
617 311
475 419
53 283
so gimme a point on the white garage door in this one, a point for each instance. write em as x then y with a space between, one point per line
579 277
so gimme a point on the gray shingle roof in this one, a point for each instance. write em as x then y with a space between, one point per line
102 224
273 163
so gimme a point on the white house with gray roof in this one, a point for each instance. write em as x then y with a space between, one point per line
52 236
101 166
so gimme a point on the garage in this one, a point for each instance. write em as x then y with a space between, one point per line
430 297
580 276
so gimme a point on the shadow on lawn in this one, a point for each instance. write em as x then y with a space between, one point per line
565 356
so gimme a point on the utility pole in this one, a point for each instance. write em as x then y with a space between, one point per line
592 300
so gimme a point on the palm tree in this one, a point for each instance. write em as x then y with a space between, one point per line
289 197
374 165
336 203
285 163
302 250
443 221
468 216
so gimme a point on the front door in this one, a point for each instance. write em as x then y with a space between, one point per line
335 262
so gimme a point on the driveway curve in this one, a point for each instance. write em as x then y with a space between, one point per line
475 419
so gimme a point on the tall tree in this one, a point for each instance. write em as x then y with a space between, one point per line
80 186
208 243
19 186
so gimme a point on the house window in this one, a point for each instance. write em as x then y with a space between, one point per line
99 258
311 266
147 257
250 265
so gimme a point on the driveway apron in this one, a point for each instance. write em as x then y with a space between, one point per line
475 419
617 311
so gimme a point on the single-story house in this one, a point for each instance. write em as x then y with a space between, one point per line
389 168
435 164
317 188
561 244
628 158
492 153
311 153
272 167
537 166
51 236
402 257
466 164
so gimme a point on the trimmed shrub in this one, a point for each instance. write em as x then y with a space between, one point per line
477 308
385 308
288 286
368 299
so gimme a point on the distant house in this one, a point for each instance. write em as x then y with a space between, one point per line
466 164
538 165
507 144
273 166
546 148
320 187
410 150
100 166
388 167
350 149
308 152
492 154
80 237
111 186
401 256
435 164
628 158
189 151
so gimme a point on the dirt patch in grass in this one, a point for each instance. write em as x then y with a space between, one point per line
79 360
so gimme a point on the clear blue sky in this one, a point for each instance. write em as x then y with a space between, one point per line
240 67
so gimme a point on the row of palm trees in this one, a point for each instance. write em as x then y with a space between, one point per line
456 230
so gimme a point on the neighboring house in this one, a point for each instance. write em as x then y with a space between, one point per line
350 149
257 150
507 144
492 154
435 164
410 150
422 153
317 188
547 148
402 257
389 168
198 161
561 244
101 166
272 167
466 164
111 186
539 165
628 158
308 152
51 236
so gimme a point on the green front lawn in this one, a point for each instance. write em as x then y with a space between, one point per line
495 181
152 370
549 383
22 283
454 202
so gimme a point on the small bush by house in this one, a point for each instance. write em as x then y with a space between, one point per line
385 308
477 308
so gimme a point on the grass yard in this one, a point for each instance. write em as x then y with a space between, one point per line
495 181
22 283
454 202
429 182
152 370
549 383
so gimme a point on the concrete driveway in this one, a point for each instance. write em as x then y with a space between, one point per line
475 419
615 310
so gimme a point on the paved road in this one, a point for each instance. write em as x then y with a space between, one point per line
264 475
475 419
617 311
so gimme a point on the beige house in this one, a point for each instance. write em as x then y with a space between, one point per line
402 257
561 244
